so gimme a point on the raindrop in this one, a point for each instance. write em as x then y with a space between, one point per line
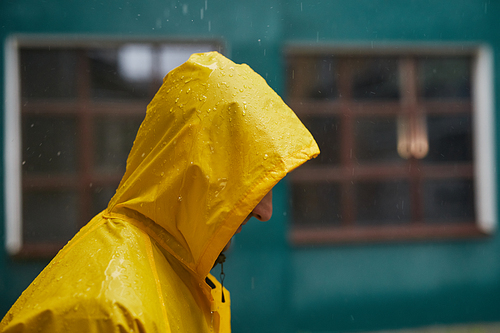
179 198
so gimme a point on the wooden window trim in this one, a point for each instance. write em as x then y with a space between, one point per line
349 171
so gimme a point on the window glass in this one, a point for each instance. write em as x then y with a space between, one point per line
52 216
48 73
113 139
101 196
326 132
314 78
450 139
448 77
49 144
448 200
317 204
375 78
382 202
376 140
114 75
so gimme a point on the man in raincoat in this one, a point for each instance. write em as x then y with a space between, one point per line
215 140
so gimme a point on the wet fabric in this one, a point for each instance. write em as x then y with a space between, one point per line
216 138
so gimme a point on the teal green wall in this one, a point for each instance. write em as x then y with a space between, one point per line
276 287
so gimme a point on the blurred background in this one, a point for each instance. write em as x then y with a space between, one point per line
391 228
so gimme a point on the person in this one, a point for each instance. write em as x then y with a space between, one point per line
215 141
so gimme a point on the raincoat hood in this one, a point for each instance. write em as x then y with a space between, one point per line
215 140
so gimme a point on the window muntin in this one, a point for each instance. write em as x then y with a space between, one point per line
400 159
79 107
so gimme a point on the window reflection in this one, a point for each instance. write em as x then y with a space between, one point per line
450 139
445 77
382 202
376 139
135 62
52 215
375 78
49 73
111 79
448 199
50 145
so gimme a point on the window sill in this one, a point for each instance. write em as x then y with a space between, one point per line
302 236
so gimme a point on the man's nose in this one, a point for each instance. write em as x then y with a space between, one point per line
264 209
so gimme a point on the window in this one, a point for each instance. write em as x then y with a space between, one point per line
406 143
72 111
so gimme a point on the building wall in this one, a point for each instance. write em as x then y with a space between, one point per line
275 286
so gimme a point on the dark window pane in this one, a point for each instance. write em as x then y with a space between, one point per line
448 200
450 139
48 73
117 74
312 78
101 196
316 204
50 216
445 77
375 78
49 145
326 132
376 139
113 139
382 202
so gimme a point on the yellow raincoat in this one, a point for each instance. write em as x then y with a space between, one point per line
215 140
